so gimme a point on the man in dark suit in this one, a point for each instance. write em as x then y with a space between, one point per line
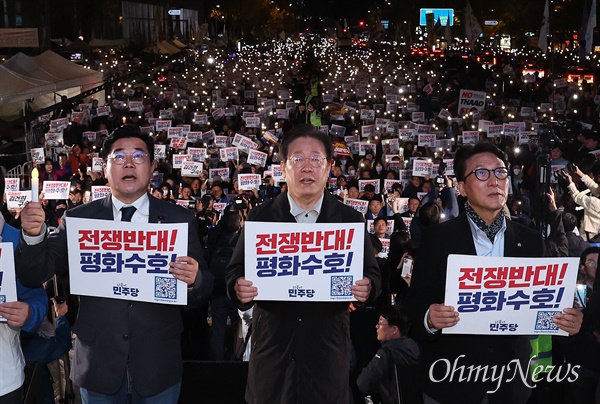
482 178
300 350
123 347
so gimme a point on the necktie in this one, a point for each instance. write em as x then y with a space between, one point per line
126 213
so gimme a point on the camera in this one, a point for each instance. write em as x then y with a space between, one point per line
239 203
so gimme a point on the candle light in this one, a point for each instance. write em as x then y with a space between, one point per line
35 188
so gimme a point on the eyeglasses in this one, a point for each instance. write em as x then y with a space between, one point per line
483 174
119 158
315 161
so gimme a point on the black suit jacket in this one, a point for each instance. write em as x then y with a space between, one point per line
428 287
300 350
115 334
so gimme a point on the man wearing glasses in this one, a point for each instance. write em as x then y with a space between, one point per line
301 350
483 229
125 351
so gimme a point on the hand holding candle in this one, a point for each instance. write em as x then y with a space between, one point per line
35 187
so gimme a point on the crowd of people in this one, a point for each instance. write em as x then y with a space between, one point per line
376 110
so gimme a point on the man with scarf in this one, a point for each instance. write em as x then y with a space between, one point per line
482 175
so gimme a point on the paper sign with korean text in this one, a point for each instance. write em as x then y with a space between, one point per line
422 168
229 153
78 117
136 106
546 107
178 143
54 138
222 173
282 113
8 281
89 135
421 128
97 164
100 192
388 184
160 151
444 114
246 144
194 137
220 207
277 173
366 147
483 125
469 99
175 133
17 199
197 153
217 113
367 114
208 136
110 259
221 141
511 129
314 262
374 182
418 117
449 167
37 155
357 204
163 125
427 139
257 157
367 130
191 169
11 184
560 83
58 125
407 135
253 122
201 118
509 296
526 111
495 130
56 189
103 111
470 137
178 160
248 182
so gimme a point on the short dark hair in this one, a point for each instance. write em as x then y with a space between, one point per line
369 188
305 130
124 132
231 222
429 214
379 219
569 221
396 316
586 252
466 152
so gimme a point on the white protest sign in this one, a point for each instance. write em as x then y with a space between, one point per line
191 169
221 141
313 262
17 199
222 173
514 296
277 173
197 153
426 139
388 184
178 159
54 139
163 125
422 168
252 122
257 157
97 164
11 184
374 182
160 151
495 130
56 189
37 155
248 182
110 259
357 204
229 153
100 192
470 137
8 281
469 99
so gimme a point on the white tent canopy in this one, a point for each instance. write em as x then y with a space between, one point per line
24 77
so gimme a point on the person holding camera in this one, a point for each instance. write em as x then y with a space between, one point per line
590 224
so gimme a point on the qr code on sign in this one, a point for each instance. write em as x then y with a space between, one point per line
544 322
165 288
340 285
